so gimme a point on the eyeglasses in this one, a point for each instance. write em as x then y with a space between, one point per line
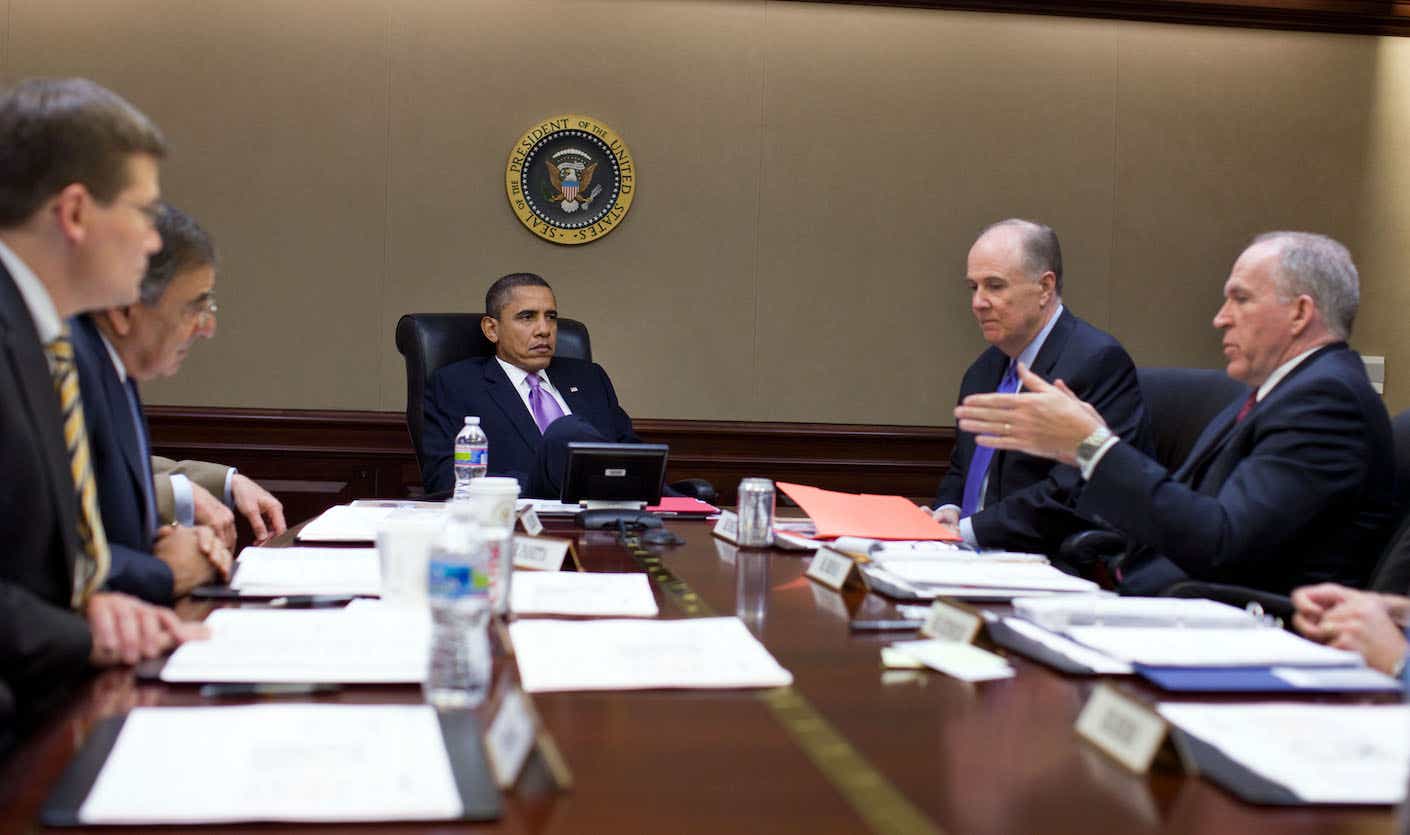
151 212
201 308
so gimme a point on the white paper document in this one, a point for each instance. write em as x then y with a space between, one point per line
1059 613
579 593
1323 753
359 523
365 645
1087 657
1174 647
281 571
641 655
965 662
982 573
313 763
548 507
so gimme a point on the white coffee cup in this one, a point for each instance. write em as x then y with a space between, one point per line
403 552
493 498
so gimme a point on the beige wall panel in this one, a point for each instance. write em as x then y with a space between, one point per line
276 113
1382 247
892 137
669 296
1221 134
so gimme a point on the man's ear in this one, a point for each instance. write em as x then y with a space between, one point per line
118 319
1304 311
71 208
1049 282
489 326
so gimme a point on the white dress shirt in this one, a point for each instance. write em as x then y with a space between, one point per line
520 378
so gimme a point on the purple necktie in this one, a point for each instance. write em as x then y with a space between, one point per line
544 408
979 464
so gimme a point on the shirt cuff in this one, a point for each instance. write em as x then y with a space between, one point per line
183 503
229 480
967 531
1091 466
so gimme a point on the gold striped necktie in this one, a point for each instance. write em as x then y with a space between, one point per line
91 568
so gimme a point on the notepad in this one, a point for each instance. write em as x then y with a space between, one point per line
348 523
363 645
581 593
281 571
638 655
1061 613
982 573
1173 647
297 762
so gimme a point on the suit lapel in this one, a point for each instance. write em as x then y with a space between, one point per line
1053 346
570 388
115 396
507 399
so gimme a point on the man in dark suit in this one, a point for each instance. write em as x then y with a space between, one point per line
530 403
78 194
1289 487
1011 500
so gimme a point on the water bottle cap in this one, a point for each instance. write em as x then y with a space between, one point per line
472 420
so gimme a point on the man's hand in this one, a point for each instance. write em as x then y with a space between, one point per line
1362 624
1312 603
264 512
195 556
945 514
125 630
213 513
1046 420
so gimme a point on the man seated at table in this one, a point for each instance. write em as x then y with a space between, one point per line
1291 487
78 198
204 493
1010 500
116 348
1370 623
531 404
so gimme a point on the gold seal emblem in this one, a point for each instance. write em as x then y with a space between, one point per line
570 179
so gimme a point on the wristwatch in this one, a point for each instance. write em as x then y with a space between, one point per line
1090 445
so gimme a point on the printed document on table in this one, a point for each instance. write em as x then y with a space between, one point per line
1061 613
296 762
1175 647
345 523
1323 753
982 573
371 645
280 571
642 654
580 593
1071 650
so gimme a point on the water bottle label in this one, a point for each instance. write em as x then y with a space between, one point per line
456 580
474 456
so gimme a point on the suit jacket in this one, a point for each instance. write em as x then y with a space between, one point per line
479 386
210 476
1298 492
116 448
44 644
1029 502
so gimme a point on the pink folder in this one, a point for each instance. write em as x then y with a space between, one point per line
874 517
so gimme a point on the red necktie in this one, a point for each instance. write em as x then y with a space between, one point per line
1248 407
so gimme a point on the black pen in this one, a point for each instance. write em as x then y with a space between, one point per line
230 691
311 601
897 625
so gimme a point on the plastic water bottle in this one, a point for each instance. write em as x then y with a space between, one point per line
472 457
458 586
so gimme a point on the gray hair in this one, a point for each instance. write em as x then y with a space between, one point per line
185 246
1041 251
1320 267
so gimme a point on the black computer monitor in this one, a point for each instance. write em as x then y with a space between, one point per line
614 472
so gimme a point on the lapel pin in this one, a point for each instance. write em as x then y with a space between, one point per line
572 389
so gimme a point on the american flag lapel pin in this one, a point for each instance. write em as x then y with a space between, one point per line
572 389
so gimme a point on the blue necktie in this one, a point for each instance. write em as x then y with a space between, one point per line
144 453
979 464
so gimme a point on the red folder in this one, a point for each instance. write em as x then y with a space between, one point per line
873 517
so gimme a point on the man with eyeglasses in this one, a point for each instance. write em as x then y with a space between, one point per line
118 348
78 172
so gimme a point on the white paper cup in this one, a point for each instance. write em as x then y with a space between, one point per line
403 551
492 499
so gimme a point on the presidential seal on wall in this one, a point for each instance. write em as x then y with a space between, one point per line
570 179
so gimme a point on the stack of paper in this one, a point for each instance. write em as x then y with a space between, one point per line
363 645
640 655
271 572
579 593
971 578
359 523
963 661
1060 613
314 763
1319 753
1165 647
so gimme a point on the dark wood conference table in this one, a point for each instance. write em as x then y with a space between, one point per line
849 748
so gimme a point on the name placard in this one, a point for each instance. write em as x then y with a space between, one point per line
516 738
727 526
530 520
540 553
834 570
1125 729
949 622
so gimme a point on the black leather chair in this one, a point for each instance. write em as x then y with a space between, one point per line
429 341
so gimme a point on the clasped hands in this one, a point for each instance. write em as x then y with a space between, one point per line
1045 419
1365 622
